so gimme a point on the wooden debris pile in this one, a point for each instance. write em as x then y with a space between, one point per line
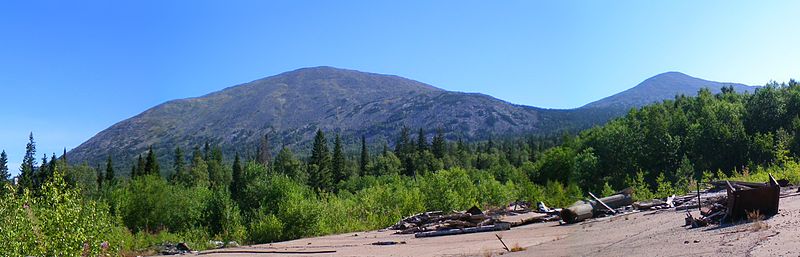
437 220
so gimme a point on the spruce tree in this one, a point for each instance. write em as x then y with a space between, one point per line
337 165
264 154
140 167
41 174
109 169
178 163
100 177
422 142
403 142
151 165
285 163
364 161
52 167
438 144
5 176
134 170
28 164
237 185
319 166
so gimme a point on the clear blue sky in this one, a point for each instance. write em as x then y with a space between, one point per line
69 69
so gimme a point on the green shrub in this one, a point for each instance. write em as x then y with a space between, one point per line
266 229
57 222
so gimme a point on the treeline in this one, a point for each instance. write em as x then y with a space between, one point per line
266 198
672 145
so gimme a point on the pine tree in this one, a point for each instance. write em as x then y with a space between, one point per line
140 167
217 175
178 163
134 170
264 154
286 163
319 166
438 144
403 142
100 177
5 176
52 167
237 185
364 161
40 176
109 169
28 164
206 152
151 166
422 142
337 164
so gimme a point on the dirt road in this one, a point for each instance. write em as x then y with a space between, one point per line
652 233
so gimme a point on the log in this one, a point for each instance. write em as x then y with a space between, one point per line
582 210
602 203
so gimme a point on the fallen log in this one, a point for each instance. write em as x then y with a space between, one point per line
582 210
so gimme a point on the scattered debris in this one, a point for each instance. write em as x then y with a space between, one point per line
216 244
173 249
496 227
389 243
223 251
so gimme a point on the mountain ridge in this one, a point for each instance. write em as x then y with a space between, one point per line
291 106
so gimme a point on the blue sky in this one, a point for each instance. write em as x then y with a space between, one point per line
69 69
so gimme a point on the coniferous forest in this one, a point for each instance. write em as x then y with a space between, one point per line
659 150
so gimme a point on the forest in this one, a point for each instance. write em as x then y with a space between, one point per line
661 149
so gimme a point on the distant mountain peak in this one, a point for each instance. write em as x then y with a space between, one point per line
661 87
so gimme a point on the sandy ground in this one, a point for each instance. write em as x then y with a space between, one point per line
652 233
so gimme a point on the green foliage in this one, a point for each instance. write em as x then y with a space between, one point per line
664 187
4 175
319 167
607 190
287 164
149 203
641 190
266 228
58 222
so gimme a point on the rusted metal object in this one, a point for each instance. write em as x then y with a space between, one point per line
762 197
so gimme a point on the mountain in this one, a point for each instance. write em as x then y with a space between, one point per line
661 87
291 106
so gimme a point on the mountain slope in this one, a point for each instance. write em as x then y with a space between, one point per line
293 105
661 87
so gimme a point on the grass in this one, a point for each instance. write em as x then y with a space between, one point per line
517 248
757 220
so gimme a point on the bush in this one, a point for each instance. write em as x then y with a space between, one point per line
266 229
